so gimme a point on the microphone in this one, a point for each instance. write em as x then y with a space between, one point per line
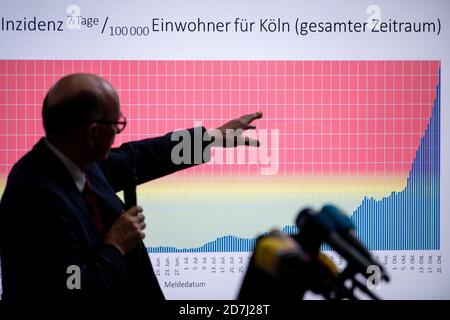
278 254
288 271
335 228
311 233
276 269
129 190
326 279
345 228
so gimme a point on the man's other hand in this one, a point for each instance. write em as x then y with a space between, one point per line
127 230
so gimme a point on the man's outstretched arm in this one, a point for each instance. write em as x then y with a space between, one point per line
156 157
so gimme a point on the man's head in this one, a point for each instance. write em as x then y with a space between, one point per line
80 115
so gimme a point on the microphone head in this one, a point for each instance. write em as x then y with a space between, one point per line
310 218
332 216
311 232
304 217
279 255
276 270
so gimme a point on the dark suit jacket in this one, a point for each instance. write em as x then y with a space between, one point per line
45 226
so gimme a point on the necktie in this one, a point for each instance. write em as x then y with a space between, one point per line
93 208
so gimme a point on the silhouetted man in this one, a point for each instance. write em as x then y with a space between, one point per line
59 214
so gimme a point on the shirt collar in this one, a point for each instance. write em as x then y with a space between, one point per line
79 177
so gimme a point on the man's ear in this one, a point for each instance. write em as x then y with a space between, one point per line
91 134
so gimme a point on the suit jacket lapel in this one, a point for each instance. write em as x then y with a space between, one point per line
61 175
100 185
103 190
